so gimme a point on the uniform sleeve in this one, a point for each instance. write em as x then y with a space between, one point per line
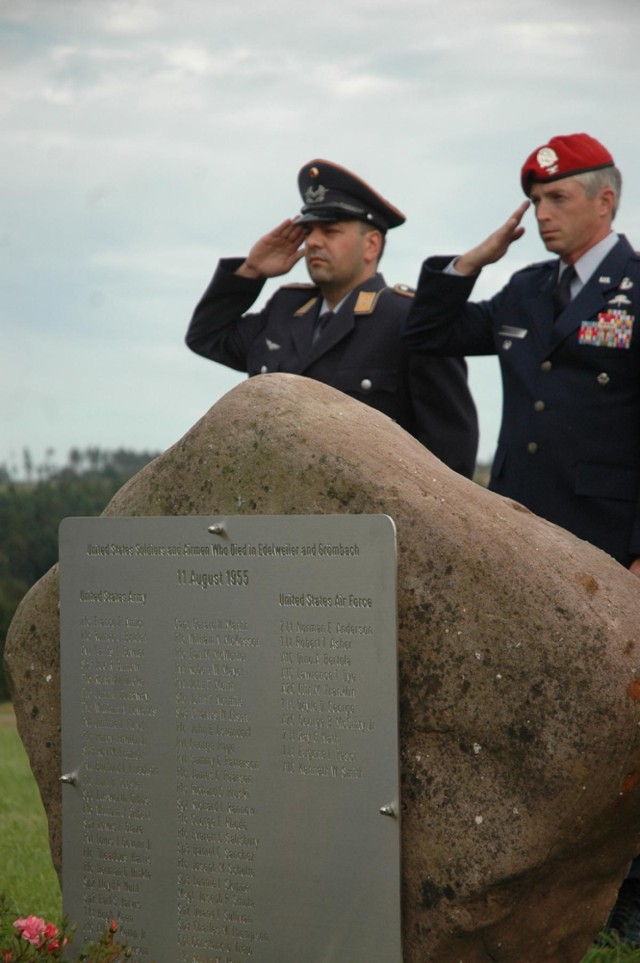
634 542
442 320
445 417
219 329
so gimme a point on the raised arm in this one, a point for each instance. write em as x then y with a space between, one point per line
493 247
275 253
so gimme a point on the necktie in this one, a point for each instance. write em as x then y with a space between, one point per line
562 291
321 324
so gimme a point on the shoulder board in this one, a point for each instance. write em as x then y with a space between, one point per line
404 290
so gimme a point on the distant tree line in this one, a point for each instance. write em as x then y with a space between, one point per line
31 511
32 508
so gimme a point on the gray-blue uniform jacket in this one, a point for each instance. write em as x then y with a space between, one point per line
569 445
360 352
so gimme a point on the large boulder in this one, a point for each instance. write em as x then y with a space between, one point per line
519 651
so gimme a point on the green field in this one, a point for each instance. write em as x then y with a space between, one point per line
27 876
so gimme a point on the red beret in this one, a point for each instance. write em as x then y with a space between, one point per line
564 156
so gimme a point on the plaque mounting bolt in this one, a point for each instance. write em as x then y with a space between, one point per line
388 810
217 529
71 778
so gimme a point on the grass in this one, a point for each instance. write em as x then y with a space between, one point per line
612 952
27 876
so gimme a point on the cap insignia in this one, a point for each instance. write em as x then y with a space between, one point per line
315 195
548 160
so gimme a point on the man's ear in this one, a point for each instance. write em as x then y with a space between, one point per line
607 201
373 245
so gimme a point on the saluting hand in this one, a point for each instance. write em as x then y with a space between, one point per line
495 246
275 253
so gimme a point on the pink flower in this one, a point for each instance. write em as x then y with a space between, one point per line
31 929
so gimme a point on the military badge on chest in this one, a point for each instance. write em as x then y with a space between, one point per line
612 328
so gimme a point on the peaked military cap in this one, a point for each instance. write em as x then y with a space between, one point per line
333 193
564 156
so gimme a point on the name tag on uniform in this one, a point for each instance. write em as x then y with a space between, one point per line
507 331
611 329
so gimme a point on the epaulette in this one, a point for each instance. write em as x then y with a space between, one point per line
404 290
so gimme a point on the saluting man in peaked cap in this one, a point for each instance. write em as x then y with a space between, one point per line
344 328
567 334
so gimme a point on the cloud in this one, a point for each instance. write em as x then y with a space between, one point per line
143 140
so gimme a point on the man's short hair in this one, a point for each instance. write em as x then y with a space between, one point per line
366 228
594 181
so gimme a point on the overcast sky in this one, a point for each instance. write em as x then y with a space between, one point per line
140 140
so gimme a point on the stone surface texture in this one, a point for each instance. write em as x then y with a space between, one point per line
519 656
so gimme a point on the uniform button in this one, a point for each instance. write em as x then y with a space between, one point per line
546 366
366 385
603 378
263 369
532 447
539 406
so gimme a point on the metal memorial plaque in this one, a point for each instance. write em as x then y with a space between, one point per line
230 736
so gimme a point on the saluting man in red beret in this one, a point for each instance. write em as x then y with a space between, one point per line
567 335
345 328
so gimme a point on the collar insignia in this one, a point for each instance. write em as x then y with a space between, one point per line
305 307
366 302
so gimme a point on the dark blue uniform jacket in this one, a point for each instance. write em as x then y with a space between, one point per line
360 353
569 445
